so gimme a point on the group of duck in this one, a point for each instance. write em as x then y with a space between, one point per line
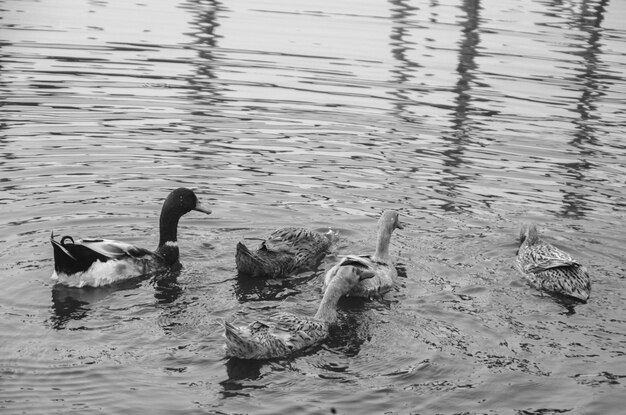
287 251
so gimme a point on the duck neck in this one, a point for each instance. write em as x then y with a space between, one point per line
168 242
167 250
327 310
382 246
168 228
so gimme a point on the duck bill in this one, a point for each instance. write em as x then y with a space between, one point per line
202 209
365 274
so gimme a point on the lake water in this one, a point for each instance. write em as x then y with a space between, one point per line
468 117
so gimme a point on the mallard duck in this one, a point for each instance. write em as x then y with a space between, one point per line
285 251
98 262
286 333
550 269
379 263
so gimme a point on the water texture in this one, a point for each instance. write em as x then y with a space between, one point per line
468 117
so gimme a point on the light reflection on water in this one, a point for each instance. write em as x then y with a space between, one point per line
469 117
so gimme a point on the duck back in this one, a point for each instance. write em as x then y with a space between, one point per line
550 269
284 252
285 335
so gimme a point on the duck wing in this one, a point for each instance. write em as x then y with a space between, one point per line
114 249
362 261
280 337
546 256
302 331
285 251
358 260
72 256
549 264
553 270
573 281
289 239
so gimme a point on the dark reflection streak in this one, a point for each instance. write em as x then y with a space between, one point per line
401 14
461 121
466 68
5 92
589 23
202 84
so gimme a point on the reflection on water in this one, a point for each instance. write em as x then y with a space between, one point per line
72 303
352 330
238 370
469 117
167 290
584 138
259 289
67 307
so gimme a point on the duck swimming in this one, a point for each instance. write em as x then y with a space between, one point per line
289 333
550 269
98 262
379 263
285 251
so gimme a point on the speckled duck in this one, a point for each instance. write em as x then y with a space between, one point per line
550 269
286 334
380 263
98 262
284 252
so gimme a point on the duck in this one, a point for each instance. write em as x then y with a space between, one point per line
380 263
284 252
550 269
285 334
100 262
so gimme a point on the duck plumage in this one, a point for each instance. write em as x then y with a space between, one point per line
379 264
97 262
549 268
286 334
284 252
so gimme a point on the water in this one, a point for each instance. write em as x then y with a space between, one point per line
468 117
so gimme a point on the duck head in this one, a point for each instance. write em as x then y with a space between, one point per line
182 201
390 220
177 203
528 232
348 276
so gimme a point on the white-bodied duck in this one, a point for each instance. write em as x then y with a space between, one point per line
380 263
284 252
550 269
98 262
286 334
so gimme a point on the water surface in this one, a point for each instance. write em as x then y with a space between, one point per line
468 117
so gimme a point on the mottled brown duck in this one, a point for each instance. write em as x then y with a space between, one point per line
286 334
285 251
550 269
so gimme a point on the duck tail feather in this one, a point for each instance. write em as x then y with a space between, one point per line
72 257
237 344
230 328
249 263
60 251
